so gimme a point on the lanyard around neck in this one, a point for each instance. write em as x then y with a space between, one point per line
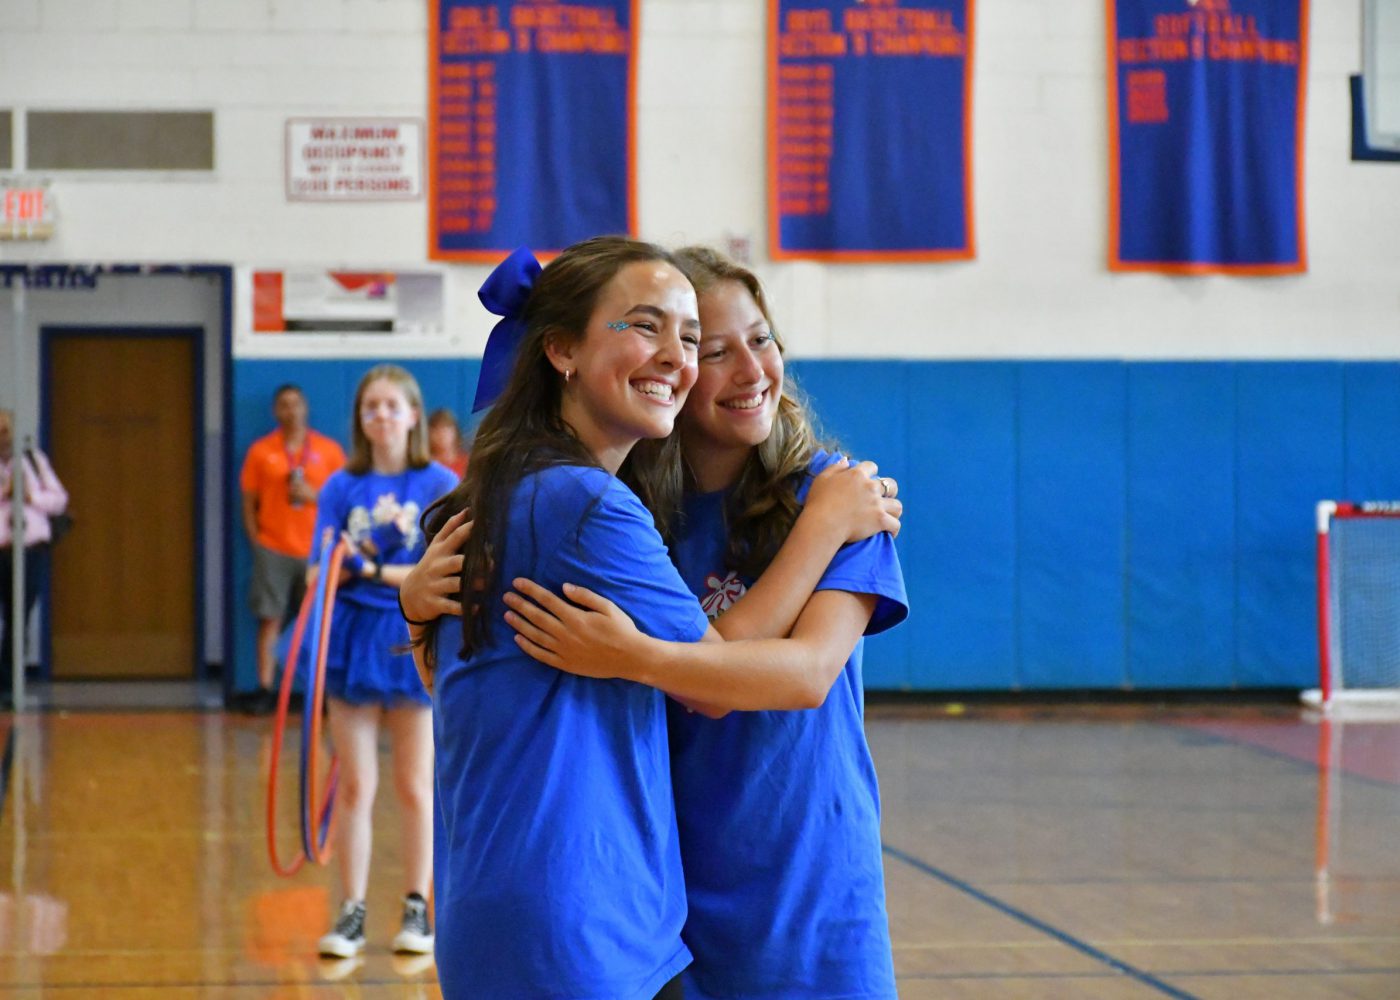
300 460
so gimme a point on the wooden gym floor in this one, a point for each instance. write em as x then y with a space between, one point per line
1031 852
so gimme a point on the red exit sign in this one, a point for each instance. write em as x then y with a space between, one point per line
26 213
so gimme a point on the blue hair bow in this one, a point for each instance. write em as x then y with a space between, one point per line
504 293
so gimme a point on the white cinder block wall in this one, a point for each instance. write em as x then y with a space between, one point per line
1039 287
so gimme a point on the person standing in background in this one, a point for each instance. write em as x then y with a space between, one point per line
44 497
371 685
282 477
445 441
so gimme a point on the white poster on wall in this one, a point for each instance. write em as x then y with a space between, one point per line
354 159
341 312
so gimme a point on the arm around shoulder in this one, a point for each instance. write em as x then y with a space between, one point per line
767 674
593 637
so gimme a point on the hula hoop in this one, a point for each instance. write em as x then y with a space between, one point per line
312 609
279 728
317 848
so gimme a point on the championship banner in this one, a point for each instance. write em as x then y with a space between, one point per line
531 125
870 130
1206 135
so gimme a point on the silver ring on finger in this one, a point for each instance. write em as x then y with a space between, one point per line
884 487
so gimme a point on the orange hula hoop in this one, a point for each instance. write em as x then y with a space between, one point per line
279 729
329 583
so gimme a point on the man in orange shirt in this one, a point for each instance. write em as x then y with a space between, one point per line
282 476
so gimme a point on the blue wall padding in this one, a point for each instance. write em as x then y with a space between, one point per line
958 542
1181 525
1372 425
1290 455
1070 524
1096 524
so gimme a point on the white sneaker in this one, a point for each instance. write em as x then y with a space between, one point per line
415 937
347 938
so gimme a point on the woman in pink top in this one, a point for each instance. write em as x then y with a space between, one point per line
44 497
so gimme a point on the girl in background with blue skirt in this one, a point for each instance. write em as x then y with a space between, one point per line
374 504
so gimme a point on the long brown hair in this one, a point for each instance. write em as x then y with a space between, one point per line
361 455
524 430
762 507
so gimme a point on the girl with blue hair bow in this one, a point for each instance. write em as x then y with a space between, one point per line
557 856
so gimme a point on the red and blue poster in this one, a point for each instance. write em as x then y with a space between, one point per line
531 125
870 130
1206 135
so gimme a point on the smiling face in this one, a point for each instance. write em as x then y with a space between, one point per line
735 399
627 384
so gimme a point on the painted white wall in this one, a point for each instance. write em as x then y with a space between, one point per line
1039 287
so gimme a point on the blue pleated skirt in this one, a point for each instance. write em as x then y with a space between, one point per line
362 667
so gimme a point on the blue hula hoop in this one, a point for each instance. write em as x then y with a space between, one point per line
314 842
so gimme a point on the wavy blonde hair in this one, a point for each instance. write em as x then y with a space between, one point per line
762 507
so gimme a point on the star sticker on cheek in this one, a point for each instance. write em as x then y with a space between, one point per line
621 324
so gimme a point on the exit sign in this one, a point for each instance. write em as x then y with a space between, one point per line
26 211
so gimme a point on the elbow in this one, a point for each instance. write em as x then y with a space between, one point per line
708 709
819 683
814 693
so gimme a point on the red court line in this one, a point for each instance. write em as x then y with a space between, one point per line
1367 749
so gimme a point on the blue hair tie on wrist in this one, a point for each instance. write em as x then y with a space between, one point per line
504 293
354 561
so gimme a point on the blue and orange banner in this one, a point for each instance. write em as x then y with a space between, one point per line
870 130
531 125
1206 135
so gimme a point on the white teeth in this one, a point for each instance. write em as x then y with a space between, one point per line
659 390
747 403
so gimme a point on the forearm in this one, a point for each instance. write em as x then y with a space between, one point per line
420 656
250 517
390 575
48 498
749 675
773 603
395 574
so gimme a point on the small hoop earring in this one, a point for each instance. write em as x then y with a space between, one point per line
568 374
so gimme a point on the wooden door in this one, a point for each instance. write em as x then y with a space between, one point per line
122 422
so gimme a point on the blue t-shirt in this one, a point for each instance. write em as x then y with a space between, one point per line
779 812
385 509
557 865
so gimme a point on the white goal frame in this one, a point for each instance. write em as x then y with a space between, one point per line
1332 695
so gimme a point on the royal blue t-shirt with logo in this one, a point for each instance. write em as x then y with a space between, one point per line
557 864
383 508
779 812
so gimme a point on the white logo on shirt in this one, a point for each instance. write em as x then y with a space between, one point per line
362 522
721 594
